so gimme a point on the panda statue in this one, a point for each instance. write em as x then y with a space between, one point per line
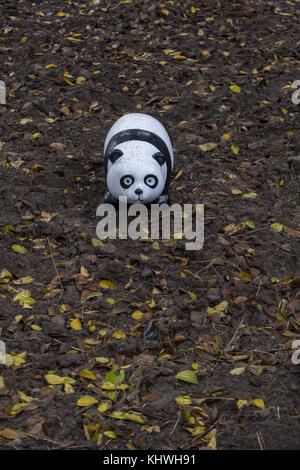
138 157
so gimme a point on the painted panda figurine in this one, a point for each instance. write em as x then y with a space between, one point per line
139 159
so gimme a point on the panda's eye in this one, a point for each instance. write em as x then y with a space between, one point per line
151 181
126 181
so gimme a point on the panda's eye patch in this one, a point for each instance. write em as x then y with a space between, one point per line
151 181
126 181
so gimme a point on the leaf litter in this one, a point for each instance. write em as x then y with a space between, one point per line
141 344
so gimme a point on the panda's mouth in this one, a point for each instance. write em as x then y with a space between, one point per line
136 198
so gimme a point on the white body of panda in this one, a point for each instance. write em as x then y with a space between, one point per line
139 160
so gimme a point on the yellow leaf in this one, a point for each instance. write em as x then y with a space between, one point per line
63 308
235 88
184 400
187 376
101 360
258 402
25 121
97 242
137 315
235 149
86 401
276 227
10 433
207 147
155 291
112 434
150 429
34 136
56 379
68 388
236 191
119 334
222 306
237 370
196 431
137 417
36 327
104 405
108 386
18 248
84 271
241 403
75 324
88 374
249 195
65 79
192 295
5 276
226 136
80 80
212 444
178 175
229 227
107 284
23 296
23 280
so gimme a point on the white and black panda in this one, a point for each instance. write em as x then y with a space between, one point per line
139 159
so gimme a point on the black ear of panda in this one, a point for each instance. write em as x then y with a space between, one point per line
160 158
114 155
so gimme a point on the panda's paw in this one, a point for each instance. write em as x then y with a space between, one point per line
162 199
109 199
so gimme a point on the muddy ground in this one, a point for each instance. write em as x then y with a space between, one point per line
96 333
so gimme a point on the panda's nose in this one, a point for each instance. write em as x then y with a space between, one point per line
138 191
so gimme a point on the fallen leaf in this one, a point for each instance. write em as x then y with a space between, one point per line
86 400
207 147
187 376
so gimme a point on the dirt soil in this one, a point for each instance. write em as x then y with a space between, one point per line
96 332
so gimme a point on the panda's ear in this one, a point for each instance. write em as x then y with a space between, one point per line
159 157
114 155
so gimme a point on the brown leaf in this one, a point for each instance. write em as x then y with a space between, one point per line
34 425
58 146
224 242
291 232
149 396
10 433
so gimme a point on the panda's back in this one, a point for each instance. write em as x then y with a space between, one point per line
144 122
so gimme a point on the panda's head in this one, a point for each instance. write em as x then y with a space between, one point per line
137 171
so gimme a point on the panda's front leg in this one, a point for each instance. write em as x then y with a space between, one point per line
162 199
110 199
